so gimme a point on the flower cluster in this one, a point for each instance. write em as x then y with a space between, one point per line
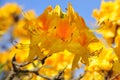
61 41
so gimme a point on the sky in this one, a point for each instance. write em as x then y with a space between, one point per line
83 7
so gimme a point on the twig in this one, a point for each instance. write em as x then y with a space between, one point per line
43 60
11 75
13 72
60 75
23 64
16 69
35 71
115 76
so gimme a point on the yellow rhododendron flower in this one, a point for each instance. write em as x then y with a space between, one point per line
58 41
103 61
109 19
56 31
58 62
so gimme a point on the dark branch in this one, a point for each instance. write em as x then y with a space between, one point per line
17 69
43 60
23 64
12 73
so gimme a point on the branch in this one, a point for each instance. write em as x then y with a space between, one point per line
11 75
17 69
60 75
35 71
13 72
23 64
114 77
43 60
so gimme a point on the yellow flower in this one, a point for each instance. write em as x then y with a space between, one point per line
109 20
100 64
9 14
55 31
58 62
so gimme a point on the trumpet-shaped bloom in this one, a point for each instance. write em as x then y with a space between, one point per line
56 31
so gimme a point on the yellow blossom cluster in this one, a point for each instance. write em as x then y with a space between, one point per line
108 17
63 40
54 27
